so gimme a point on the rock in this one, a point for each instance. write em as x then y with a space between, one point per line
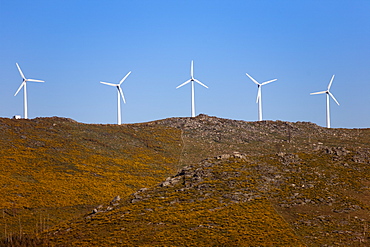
135 200
169 181
116 199
223 156
165 183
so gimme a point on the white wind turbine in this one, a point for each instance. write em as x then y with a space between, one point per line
192 79
119 94
24 85
327 92
259 95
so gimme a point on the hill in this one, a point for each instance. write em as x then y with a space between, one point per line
269 183
53 169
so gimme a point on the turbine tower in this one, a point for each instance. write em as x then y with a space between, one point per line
24 85
119 95
259 94
327 92
192 79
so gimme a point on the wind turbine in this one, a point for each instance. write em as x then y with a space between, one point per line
24 85
119 94
192 79
259 94
327 92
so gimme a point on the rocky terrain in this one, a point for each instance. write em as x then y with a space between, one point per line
304 199
211 136
268 183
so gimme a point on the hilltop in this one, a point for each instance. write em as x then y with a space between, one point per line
206 136
187 181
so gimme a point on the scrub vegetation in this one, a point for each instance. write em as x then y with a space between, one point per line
53 169
200 181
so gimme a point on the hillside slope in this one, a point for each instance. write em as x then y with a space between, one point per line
270 183
52 169
206 136
214 203
304 199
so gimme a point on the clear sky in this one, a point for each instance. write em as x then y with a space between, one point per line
73 45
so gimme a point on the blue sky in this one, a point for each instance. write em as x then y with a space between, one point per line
73 45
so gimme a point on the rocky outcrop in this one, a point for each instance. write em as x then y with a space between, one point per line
101 208
198 174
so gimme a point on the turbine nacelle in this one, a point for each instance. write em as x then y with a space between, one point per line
192 78
259 85
25 80
328 91
118 86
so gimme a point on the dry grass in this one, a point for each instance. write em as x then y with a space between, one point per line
56 169
203 214
301 189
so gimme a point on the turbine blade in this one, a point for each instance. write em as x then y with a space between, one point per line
20 71
336 101
200 83
250 77
183 84
331 81
319 92
110 84
34 80
20 87
192 69
124 78
266 82
258 94
121 93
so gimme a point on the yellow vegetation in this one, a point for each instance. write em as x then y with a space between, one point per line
55 169
289 190
202 215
